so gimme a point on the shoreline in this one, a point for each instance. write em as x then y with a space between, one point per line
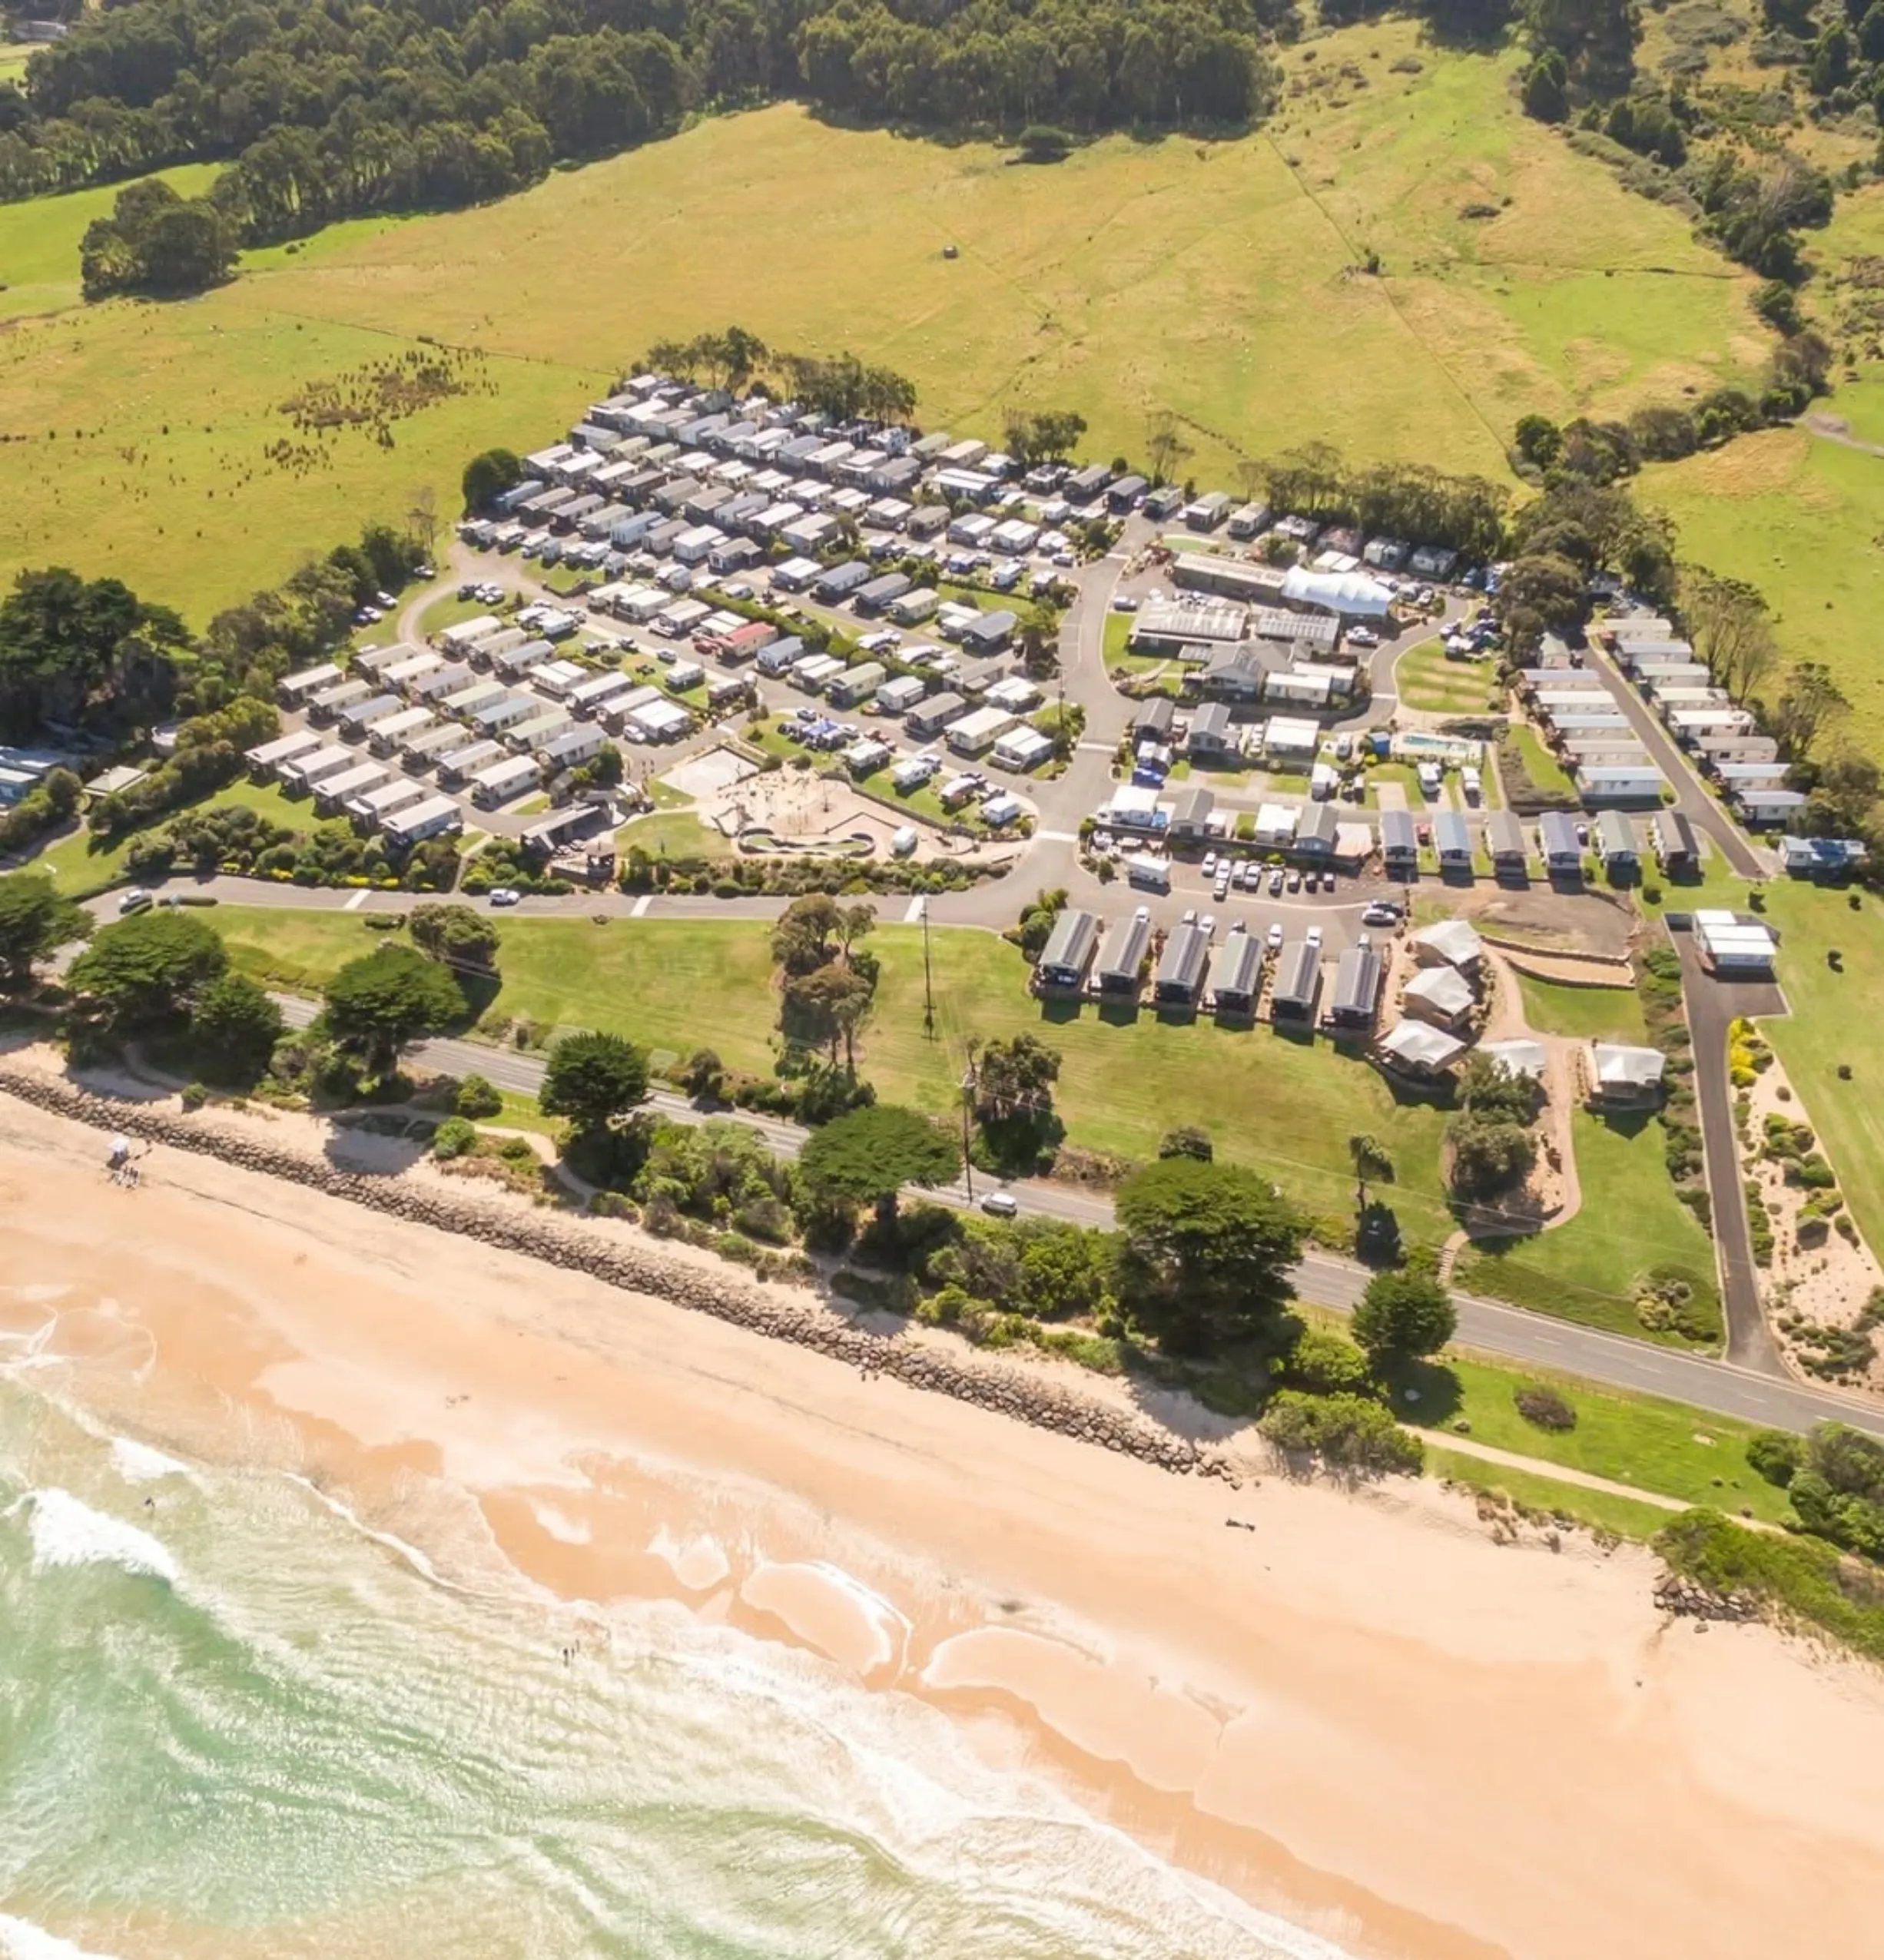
1363 1717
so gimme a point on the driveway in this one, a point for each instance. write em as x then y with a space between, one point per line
1692 797
1712 1007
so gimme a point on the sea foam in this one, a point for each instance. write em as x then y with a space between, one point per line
20 1939
66 1532
137 1463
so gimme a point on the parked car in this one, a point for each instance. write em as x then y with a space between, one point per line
1313 936
136 899
1220 890
1276 881
504 894
1380 915
1273 939
1208 925
1363 636
1124 602
1295 880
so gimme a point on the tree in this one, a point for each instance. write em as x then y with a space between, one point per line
1207 1248
1408 1314
1354 1432
486 477
1047 434
1727 620
866 1158
147 968
805 935
1488 1088
1546 95
1165 446
376 1004
1014 1099
34 921
1490 1154
233 1028
1369 1155
593 1081
1810 701
1538 440
457 935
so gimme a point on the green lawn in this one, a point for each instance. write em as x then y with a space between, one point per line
1429 682
1283 1106
1629 1223
1600 1511
39 239
672 833
1131 276
1589 1013
1835 1023
1545 771
81 867
447 609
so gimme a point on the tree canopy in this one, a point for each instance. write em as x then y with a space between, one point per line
378 1004
233 1028
158 243
369 105
88 653
458 935
34 921
866 1156
1208 1247
147 968
1404 1313
593 1080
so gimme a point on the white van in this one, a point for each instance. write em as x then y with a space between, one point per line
903 844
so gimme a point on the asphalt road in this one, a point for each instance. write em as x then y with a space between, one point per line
1722 1388
1692 798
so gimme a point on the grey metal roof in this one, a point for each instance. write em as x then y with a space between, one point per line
1615 834
1397 832
1357 984
1192 805
1504 835
1319 824
1070 945
1182 968
1122 951
1153 716
1239 968
1558 833
1452 835
1297 974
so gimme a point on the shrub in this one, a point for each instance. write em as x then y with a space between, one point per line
1352 1431
1776 1454
453 1137
1544 1408
1323 1364
194 1096
476 1096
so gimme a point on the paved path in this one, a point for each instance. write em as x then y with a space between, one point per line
1692 797
1508 1334
1712 1005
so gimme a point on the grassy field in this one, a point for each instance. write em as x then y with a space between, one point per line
1601 1510
1429 682
1283 1106
1589 1013
671 833
39 240
1545 771
1630 1222
1133 278
1800 517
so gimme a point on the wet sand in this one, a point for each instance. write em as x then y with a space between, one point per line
1361 1716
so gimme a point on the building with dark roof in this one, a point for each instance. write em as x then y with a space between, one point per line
1069 950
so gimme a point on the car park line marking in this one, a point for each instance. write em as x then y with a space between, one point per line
1057 837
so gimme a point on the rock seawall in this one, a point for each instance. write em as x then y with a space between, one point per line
634 1269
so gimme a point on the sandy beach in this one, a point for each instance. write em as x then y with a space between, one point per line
1361 1715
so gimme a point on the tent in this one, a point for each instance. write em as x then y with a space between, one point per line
1353 594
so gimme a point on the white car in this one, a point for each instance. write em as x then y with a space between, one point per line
1273 939
1001 1204
1313 936
135 900
1380 915
1363 636
1295 880
1276 881
1124 602
1207 925
504 894
1220 890
1210 862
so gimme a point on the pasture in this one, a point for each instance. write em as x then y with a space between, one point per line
1224 283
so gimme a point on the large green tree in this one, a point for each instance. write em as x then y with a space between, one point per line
459 935
1404 1313
593 1081
488 476
867 1157
376 1004
34 921
147 968
1207 1250
233 1028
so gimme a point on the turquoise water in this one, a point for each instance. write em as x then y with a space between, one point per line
235 1721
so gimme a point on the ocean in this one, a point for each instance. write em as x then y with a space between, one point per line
236 1720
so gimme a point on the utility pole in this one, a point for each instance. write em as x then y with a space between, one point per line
928 979
968 1099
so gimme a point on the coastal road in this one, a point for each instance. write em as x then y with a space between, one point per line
1510 1334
